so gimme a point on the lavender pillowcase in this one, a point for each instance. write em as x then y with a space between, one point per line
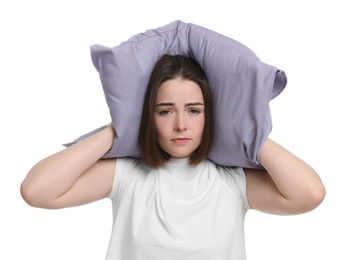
242 87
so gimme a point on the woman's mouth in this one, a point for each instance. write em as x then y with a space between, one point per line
180 140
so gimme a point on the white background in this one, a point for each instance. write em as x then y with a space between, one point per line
51 94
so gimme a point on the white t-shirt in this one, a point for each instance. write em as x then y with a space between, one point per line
178 212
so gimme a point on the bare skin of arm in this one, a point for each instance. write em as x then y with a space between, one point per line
288 186
73 176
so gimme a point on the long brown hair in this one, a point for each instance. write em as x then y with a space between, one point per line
170 67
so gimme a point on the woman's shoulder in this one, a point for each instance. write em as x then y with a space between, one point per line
131 162
230 175
130 168
225 169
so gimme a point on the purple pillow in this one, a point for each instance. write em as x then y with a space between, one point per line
242 87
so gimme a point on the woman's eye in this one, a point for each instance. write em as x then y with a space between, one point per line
164 112
195 111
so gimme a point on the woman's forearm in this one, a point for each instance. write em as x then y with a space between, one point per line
56 174
296 180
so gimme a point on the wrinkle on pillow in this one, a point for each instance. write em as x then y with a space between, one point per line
242 87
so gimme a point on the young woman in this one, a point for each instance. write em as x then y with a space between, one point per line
173 203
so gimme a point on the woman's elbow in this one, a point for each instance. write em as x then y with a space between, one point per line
33 196
318 195
313 198
28 195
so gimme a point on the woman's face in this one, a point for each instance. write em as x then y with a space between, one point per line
179 117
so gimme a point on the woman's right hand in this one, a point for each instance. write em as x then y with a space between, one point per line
74 176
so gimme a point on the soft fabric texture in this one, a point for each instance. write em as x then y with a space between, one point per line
241 84
177 212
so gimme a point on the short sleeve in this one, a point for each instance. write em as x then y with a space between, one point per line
236 179
125 171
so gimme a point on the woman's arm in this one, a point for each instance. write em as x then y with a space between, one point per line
289 185
73 176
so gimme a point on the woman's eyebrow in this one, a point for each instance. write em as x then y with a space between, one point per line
169 104
194 104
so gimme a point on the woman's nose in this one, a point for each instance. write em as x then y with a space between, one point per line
180 124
